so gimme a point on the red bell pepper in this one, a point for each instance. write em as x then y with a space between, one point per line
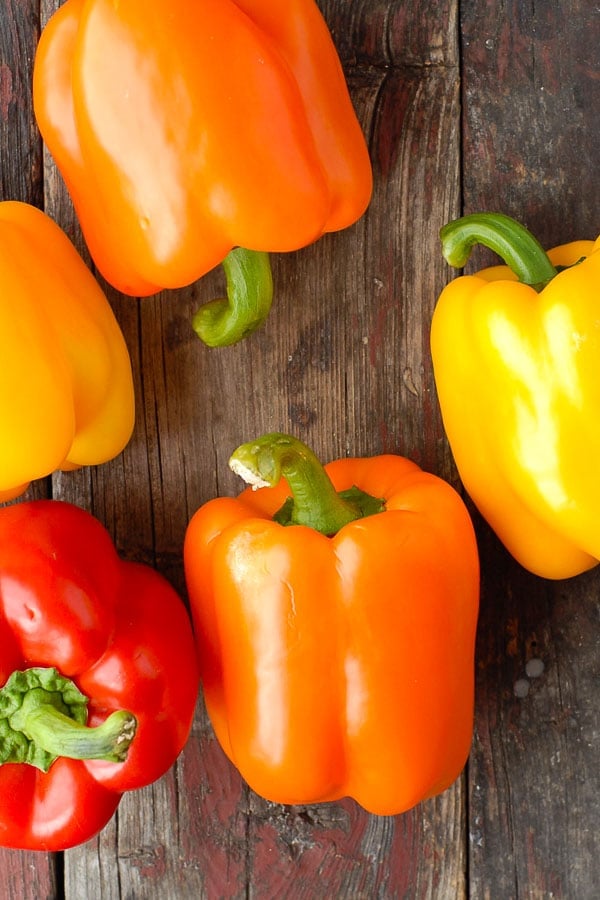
99 675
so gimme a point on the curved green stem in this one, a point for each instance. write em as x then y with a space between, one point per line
43 716
314 502
519 249
249 296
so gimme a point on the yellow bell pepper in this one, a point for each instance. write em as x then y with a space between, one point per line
516 357
66 389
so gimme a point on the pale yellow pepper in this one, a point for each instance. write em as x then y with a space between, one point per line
66 388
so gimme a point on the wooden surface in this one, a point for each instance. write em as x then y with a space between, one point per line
482 105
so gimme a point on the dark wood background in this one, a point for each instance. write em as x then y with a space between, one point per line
477 105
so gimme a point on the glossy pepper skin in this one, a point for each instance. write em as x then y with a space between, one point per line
208 125
66 392
336 637
70 609
516 354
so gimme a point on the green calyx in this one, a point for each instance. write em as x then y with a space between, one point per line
517 247
43 716
249 297
314 501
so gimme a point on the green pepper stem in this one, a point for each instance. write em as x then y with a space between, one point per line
519 249
43 715
59 735
226 321
314 502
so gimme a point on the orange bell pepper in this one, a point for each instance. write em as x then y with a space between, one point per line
336 626
66 392
184 130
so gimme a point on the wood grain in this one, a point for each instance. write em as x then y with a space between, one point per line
490 105
22 874
531 95
20 143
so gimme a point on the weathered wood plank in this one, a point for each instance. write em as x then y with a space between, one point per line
311 371
531 97
393 33
344 363
326 367
534 768
22 874
26 875
20 144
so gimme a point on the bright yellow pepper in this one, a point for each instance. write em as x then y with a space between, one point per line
516 356
66 389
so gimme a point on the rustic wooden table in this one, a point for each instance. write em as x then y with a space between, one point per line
477 105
